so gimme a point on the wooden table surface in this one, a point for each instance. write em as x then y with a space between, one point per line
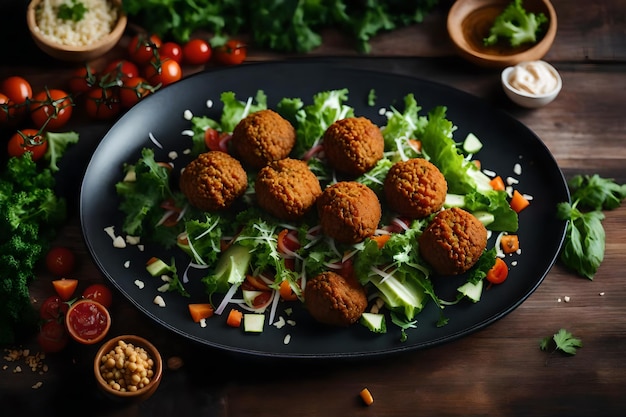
499 370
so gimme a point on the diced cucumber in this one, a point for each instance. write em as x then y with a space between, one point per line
454 200
472 291
157 267
253 323
472 144
374 321
485 217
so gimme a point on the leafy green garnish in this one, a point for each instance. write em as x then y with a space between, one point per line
584 246
74 11
561 341
517 25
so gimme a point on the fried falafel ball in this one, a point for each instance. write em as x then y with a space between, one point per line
415 188
453 241
332 299
213 181
349 211
353 145
262 137
287 188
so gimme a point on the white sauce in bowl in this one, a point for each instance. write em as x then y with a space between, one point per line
535 78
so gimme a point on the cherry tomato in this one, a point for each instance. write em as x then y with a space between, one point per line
27 140
171 50
120 69
102 104
212 139
99 293
51 109
83 79
53 308
231 53
52 337
60 261
17 89
133 90
163 72
498 273
7 109
142 48
197 52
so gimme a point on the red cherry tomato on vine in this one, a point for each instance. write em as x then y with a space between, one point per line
7 109
53 308
120 69
27 140
60 261
171 50
17 89
52 337
102 104
51 108
142 48
83 79
99 293
197 52
133 90
163 72
232 53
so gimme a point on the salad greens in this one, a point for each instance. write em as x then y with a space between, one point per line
517 25
280 25
394 271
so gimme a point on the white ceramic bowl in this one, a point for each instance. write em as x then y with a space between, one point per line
524 98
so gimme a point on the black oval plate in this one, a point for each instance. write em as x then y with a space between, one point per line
506 140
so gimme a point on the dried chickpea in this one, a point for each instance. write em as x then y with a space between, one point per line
127 367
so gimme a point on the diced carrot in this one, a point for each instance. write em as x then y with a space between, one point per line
416 144
366 396
497 183
286 292
498 273
477 163
200 311
509 243
518 201
381 240
234 318
65 288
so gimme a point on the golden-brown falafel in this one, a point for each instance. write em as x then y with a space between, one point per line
415 188
287 188
349 211
262 137
453 241
353 145
213 181
332 299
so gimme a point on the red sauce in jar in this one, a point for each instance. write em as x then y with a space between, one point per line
88 320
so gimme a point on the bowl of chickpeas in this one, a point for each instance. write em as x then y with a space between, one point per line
128 367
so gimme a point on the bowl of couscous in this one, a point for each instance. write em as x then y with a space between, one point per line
76 30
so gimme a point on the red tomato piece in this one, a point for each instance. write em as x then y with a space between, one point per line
17 89
133 90
27 140
100 293
102 104
197 52
120 69
171 50
142 48
7 109
52 337
498 273
51 109
60 261
53 308
231 53
163 72
83 79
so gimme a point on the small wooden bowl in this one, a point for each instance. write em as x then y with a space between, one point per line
76 53
140 394
82 311
469 22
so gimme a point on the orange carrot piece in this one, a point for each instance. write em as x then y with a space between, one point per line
234 318
509 243
477 163
285 291
497 183
381 240
366 396
498 273
519 202
416 144
65 288
200 311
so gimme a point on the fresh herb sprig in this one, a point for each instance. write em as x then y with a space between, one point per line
562 341
74 11
585 236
